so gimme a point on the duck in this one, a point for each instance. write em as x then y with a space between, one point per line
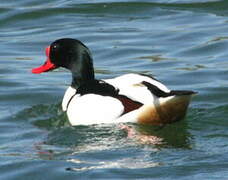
133 97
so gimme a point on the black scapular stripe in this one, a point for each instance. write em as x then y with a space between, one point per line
160 93
97 87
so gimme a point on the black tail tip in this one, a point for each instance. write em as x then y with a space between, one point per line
182 93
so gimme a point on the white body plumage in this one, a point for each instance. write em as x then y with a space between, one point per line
95 109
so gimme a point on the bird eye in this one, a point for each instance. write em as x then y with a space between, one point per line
54 46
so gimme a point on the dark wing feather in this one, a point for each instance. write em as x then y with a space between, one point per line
160 93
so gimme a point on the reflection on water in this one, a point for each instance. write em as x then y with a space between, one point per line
108 143
127 163
51 117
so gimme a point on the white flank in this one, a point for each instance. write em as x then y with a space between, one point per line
93 109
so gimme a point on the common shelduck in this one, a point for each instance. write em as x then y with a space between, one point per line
131 97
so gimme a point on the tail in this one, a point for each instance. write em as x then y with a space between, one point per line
181 93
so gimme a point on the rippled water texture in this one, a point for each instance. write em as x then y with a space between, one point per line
181 42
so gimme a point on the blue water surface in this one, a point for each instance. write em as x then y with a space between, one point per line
183 43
